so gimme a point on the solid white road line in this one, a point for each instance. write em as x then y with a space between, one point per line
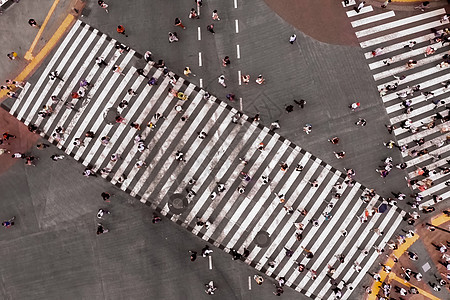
374 18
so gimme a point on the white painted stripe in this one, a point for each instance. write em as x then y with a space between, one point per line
235 4
48 69
98 106
415 76
210 262
151 144
131 134
401 22
444 196
199 33
400 45
249 283
420 134
373 257
199 59
375 18
204 155
417 111
260 201
318 201
399 34
423 86
432 166
238 51
353 13
201 83
19 99
404 67
237 25
74 83
231 220
239 77
268 252
201 199
350 3
240 104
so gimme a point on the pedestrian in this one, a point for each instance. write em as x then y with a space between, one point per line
54 75
101 212
360 6
259 279
156 219
307 128
179 156
56 157
275 125
230 96
206 251
292 38
12 55
246 79
106 196
334 140
100 61
361 122
121 120
226 61
9 223
202 135
193 14
300 103
215 16
178 23
260 79
354 106
88 172
101 229
103 5
173 37
339 155
141 72
210 28
148 56
33 23
193 255
121 30
221 80
385 4
289 108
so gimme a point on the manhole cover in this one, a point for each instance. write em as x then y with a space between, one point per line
262 239
177 203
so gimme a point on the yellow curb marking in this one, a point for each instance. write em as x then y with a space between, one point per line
44 52
29 54
376 286
441 219
421 292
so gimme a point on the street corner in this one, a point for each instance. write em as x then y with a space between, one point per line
23 142
325 21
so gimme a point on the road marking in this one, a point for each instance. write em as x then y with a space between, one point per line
199 59
365 9
44 52
237 25
201 82
249 283
210 262
239 77
240 103
235 3
238 52
374 18
199 34
29 54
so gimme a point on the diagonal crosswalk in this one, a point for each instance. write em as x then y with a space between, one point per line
429 116
142 161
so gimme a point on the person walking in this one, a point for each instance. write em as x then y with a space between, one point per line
226 61
215 16
221 80
210 28
100 61
292 38
12 55
33 23
9 223
178 23
193 14
121 30
360 6
55 75
103 5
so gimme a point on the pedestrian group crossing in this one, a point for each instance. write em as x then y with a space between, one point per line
375 30
237 221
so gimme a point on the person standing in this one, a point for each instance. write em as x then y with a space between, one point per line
292 38
121 30
178 23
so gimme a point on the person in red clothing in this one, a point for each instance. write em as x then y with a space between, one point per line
121 30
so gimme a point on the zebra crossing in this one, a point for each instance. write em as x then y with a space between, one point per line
263 219
422 131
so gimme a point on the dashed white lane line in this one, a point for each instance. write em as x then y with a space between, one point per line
249 283
238 52
240 104
239 77
237 25
199 33
201 83
199 59
210 262
235 3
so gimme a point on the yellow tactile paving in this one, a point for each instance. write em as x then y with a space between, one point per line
390 262
421 292
29 54
440 219
44 52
